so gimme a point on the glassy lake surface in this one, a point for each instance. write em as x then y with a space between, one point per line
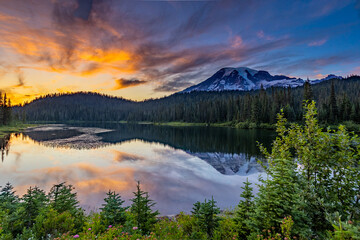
176 165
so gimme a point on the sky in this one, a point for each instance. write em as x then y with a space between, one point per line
153 48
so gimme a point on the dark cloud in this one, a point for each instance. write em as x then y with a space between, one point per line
180 82
84 8
172 86
67 11
125 83
316 63
123 156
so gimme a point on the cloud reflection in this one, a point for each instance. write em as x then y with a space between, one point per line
174 179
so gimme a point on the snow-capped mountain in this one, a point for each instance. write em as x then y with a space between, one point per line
245 79
231 164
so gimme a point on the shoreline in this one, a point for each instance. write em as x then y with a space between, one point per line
350 126
14 128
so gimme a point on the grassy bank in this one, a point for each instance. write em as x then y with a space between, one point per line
351 126
242 125
14 128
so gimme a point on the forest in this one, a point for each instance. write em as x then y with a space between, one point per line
311 191
337 101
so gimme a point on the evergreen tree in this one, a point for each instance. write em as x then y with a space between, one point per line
8 199
34 200
206 215
308 94
328 180
333 104
62 198
244 210
1 110
279 197
141 206
10 205
112 211
280 194
255 110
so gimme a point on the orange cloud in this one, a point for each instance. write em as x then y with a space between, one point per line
319 75
101 56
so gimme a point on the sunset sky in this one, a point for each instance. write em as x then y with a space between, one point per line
152 48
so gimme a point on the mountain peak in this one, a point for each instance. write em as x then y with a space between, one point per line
246 79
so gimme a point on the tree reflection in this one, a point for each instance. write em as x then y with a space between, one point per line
5 146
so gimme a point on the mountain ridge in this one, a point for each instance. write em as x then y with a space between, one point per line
246 79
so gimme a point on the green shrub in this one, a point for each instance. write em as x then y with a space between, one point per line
227 229
94 224
169 229
51 223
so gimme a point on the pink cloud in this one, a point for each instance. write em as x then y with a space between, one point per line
356 71
261 34
236 42
317 43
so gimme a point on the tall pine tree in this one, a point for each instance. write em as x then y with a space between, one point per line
141 207
244 210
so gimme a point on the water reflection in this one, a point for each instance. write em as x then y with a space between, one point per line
4 146
228 150
178 166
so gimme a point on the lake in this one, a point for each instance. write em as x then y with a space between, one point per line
176 165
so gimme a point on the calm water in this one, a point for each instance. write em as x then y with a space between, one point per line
176 165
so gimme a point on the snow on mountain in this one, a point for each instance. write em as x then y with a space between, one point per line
231 164
246 79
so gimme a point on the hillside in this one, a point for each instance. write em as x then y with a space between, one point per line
260 106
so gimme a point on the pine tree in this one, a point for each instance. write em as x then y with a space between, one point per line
280 194
33 201
328 180
279 197
1 110
308 94
8 199
333 104
141 206
112 211
5 110
255 110
244 210
62 198
206 215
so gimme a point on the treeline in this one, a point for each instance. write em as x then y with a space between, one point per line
311 191
337 100
5 110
